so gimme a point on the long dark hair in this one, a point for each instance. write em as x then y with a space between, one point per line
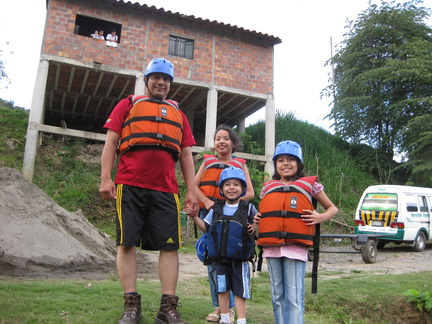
234 137
299 174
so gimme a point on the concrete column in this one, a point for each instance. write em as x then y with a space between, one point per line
139 85
35 118
241 126
211 117
269 134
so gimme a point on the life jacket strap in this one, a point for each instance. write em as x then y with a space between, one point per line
158 119
209 183
151 135
287 235
217 166
281 213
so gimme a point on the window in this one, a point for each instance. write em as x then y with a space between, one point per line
411 203
182 47
422 203
380 201
85 26
429 199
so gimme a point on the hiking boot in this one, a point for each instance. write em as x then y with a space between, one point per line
132 312
168 311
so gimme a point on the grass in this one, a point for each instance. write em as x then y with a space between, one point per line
357 299
13 125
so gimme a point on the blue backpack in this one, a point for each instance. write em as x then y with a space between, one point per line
228 237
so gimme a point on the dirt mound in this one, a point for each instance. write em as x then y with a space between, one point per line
40 238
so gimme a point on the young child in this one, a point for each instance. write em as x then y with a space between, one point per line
226 141
111 39
286 229
231 264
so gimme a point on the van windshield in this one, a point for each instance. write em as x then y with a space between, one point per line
380 201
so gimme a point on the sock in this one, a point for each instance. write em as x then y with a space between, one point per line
131 293
224 318
241 320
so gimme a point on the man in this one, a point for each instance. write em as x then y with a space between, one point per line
153 134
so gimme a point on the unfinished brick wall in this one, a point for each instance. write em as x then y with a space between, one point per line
223 60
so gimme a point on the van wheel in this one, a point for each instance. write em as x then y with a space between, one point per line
420 242
381 244
369 251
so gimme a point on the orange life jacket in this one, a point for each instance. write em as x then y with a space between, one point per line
152 122
209 184
281 209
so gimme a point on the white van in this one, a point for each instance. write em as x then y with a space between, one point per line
398 213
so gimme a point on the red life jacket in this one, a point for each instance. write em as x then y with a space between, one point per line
152 122
281 209
213 167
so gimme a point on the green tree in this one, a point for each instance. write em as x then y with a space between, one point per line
382 75
4 78
417 142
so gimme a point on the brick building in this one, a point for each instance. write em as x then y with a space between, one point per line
223 73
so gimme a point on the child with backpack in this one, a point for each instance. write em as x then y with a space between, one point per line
230 242
226 142
286 226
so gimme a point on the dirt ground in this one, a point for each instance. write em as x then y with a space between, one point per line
392 259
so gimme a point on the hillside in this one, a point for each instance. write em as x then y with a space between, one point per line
67 169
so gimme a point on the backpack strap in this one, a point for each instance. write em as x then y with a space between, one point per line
217 214
243 212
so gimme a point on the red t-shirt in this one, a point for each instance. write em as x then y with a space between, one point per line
150 168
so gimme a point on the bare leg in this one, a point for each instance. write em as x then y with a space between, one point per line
224 302
168 271
240 307
127 267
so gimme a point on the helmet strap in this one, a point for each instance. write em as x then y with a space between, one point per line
231 201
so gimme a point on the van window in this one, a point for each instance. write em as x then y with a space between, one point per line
429 199
380 201
422 204
411 203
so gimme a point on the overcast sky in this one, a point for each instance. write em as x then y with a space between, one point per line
305 28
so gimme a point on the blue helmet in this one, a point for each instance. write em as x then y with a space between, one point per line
288 147
201 247
160 65
232 173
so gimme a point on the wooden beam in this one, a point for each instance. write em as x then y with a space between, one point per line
71 132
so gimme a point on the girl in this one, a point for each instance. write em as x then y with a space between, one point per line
226 141
286 229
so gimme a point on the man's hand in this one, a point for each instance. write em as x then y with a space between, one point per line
107 189
191 204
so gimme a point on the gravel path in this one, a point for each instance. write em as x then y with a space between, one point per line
392 259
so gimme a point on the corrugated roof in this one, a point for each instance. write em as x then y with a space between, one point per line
215 25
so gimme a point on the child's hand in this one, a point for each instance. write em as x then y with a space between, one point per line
189 210
311 217
209 204
257 219
251 229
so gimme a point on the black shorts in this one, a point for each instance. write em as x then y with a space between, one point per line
234 276
147 218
